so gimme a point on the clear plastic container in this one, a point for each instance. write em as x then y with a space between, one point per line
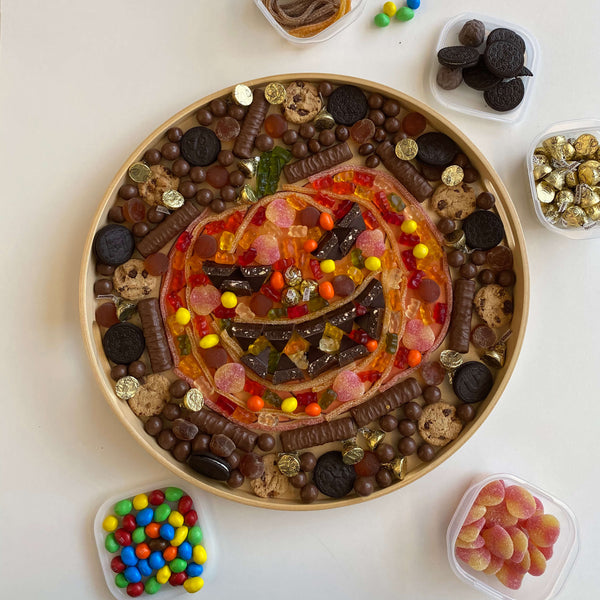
558 567
339 25
201 506
570 129
467 100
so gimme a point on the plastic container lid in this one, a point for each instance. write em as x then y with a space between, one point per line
337 26
469 101
558 567
570 129
201 506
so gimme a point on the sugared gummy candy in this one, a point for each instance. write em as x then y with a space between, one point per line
520 542
477 543
543 530
495 565
475 513
348 386
280 213
418 336
491 494
204 299
478 558
500 516
519 502
498 541
510 575
371 243
468 533
538 561
267 249
230 378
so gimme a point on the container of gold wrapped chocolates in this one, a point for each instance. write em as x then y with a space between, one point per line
563 165
304 291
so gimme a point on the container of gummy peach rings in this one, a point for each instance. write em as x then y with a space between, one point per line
512 540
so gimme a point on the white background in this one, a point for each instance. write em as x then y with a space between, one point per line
82 83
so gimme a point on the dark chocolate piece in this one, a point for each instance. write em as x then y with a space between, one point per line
278 334
372 295
404 172
256 275
458 57
211 423
238 287
483 230
353 219
200 146
347 239
347 105
319 361
245 333
244 143
479 77
259 363
154 332
506 35
386 402
210 465
171 227
472 382
315 435
123 343
436 148
462 311
327 247
320 161
343 317
350 351
219 273
503 59
311 331
113 245
506 95
333 476
286 371
371 322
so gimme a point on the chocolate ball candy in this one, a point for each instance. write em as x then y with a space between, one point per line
456 258
391 125
236 479
380 134
153 426
115 214
218 108
155 216
325 88
290 137
506 278
187 189
384 478
171 411
314 146
391 108
426 452
372 161
388 423
152 156
174 134
127 191
225 158
486 277
237 112
363 486
485 200
465 412
184 430
478 257
252 466
204 196
471 175
431 394
468 271
217 205
327 137
139 230
407 446
461 160
307 130
234 459
446 225
385 452
136 369
103 286
201 443
308 461
299 480
221 445
181 451
166 439
377 117
407 427
264 143
342 133
366 149
170 151
105 270
399 136
204 117
228 193
375 100
198 174
118 371
266 442
412 410
299 150
237 178
179 388
309 493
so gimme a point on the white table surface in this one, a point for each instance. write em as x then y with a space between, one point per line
81 84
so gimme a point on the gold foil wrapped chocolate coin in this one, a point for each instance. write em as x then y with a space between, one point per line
451 359
126 387
495 357
406 149
586 144
139 172
574 216
289 464
247 196
275 93
352 453
172 199
545 192
242 95
323 120
373 437
193 400
589 172
453 175
293 276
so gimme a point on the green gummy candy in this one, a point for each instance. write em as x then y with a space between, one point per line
382 20
110 543
195 535
177 565
405 14
173 494
123 507
162 512
152 586
138 535
121 581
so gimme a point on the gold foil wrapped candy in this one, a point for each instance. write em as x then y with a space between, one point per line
373 437
453 175
586 144
586 196
574 216
293 276
126 387
589 172
399 467
406 149
290 297
275 93
563 199
545 192
139 172
247 196
457 240
323 120
248 166
558 148
352 453
309 288
551 213
495 357
593 212
242 95
540 171
556 178
289 464
172 199
193 400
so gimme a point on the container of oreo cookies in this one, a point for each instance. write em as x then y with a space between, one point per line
563 167
485 67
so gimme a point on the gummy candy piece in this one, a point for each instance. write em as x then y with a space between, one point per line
315 268
322 183
306 398
298 231
355 274
371 243
525 564
230 378
267 249
543 530
418 336
510 576
520 542
323 199
410 262
259 216
226 405
491 494
356 256
224 258
246 240
468 533
243 416
539 507
226 241
415 279
188 366
179 261
547 552
204 299
401 360
495 565
381 202
396 203
361 191
519 502
343 187
295 312
183 241
478 542
413 309
344 176
409 239
498 515
364 178
475 513
247 257
327 398
280 213
498 541
370 220
477 558
253 387
348 386
440 312
234 221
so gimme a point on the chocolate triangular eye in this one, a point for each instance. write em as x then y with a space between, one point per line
372 295
219 273
319 361
371 322
353 219
279 335
286 371
259 363
343 317
245 333
255 276
327 247
350 351
311 331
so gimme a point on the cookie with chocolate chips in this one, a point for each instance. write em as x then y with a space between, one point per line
302 102
132 282
438 424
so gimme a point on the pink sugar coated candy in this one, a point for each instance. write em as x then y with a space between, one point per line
469 533
418 336
478 558
204 299
538 561
510 576
498 515
371 243
495 565
475 513
498 541
520 542
519 502
543 530
547 552
478 543
539 507
348 386
267 249
230 378
280 213
524 565
491 494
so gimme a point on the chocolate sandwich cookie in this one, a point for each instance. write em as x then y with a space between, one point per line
458 57
200 146
347 105
332 476
506 95
506 35
210 465
123 343
483 230
113 245
525 72
436 148
480 77
503 59
472 382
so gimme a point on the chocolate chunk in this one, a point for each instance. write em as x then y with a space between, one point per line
320 161
113 245
123 343
506 35
436 148
154 332
333 476
210 465
244 143
327 247
462 311
372 295
347 239
211 423
343 317
245 333
503 59
371 322
347 105
259 363
316 435
472 382
278 334
218 273
286 371
200 146
479 77
458 57
311 331
353 219
483 230
350 351
255 276
319 361
506 95
237 286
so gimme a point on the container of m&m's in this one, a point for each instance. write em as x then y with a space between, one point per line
512 540
156 540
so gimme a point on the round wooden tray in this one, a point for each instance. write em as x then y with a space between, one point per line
490 181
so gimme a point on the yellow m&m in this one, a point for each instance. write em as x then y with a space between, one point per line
420 251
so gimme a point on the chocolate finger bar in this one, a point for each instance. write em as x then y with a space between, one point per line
244 144
154 333
212 423
385 402
462 310
172 226
404 172
321 161
315 435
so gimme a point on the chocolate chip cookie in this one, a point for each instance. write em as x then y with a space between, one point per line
439 424
272 483
151 397
302 102
494 305
161 180
132 282
454 202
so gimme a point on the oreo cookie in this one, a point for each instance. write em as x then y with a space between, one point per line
113 245
332 476
436 148
506 95
200 146
479 77
458 57
525 72
483 230
472 382
123 343
210 465
503 59
506 35
347 104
